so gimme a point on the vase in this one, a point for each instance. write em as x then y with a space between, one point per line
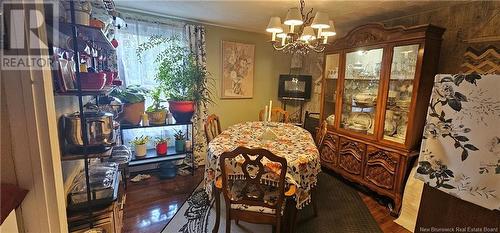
140 150
180 145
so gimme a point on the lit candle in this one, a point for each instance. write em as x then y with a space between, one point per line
325 39
319 32
283 39
270 107
274 36
291 28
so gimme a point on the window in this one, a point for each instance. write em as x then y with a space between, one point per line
139 29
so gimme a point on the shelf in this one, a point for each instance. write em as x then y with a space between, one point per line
153 126
71 156
104 91
152 157
94 37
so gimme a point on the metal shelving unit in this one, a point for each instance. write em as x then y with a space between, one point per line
97 41
152 156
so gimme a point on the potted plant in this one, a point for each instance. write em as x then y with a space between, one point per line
133 98
184 81
157 113
140 145
161 145
180 141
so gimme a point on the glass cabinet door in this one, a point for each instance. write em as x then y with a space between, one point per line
331 77
361 84
404 62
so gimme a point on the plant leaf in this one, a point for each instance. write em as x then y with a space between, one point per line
461 97
455 104
459 79
465 154
462 138
447 186
471 147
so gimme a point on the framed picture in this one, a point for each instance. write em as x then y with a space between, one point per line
238 63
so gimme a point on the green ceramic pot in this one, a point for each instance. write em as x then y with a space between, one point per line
180 145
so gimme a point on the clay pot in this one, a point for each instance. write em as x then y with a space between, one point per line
182 111
132 113
157 118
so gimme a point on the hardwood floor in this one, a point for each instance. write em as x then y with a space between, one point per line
151 204
381 214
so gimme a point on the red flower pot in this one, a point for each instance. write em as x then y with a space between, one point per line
161 148
182 111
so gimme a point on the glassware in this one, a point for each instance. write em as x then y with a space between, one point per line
404 62
331 77
360 90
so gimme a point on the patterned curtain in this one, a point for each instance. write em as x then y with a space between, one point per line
195 35
460 153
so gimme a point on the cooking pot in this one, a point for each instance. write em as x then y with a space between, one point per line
100 131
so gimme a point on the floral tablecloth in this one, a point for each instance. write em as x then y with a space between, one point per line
460 153
292 142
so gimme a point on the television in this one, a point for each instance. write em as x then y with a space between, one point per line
296 87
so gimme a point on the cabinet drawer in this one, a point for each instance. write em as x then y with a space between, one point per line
381 167
328 151
351 155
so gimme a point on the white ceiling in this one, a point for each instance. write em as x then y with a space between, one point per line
254 15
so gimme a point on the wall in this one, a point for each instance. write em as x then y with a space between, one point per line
462 22
268 65
67 104
7 172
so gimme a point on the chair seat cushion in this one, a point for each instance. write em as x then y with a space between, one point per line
260 209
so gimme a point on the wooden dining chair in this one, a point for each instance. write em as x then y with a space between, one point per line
212 127
321 134
256 193
277 115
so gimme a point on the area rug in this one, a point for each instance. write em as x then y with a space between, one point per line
340 209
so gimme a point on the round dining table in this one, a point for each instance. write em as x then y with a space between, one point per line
284 140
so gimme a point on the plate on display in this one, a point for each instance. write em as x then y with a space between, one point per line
360 121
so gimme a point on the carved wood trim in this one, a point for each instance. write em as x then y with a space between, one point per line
351 156
328 151
381 168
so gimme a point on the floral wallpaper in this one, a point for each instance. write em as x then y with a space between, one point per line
460 152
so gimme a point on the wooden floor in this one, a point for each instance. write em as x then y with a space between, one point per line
152 203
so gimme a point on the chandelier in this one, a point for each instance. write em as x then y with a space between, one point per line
297 33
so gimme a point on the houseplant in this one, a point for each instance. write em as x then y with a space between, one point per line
161 145
180 141
157 113
184 82
132 97
140 145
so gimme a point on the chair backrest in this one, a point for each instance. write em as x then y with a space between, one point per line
320 135
277 115
311 122
253 174
212 127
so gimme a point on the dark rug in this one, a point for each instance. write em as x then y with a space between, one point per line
340 209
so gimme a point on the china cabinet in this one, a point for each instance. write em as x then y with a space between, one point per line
376 88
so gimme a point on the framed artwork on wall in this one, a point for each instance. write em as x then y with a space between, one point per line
238 63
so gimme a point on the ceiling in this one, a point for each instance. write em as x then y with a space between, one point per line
254 15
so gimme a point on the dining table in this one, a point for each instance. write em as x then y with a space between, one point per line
289 141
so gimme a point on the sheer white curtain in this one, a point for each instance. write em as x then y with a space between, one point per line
139 29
